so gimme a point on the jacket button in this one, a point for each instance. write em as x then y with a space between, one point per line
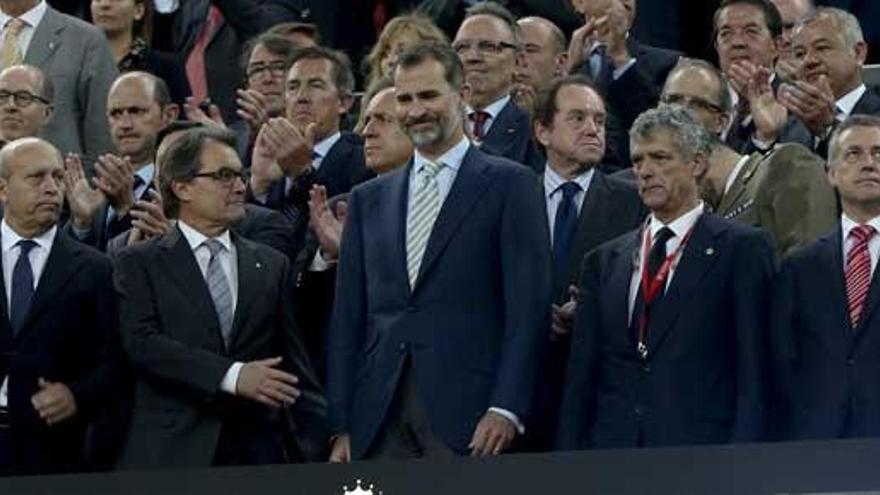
402 347
411 309
850 361
639 410
646 368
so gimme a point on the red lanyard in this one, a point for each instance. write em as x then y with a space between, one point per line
652 287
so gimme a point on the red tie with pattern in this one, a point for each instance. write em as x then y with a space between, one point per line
479 117
195 62
858 271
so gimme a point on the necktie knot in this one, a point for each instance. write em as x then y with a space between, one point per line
663 236
214 246
862 233
570 189
479 118
26 245
430 169
14 26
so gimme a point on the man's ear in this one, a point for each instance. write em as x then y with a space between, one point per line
346 100
542 133
465 93
182 191
47 115
4 191
170 113
701 165
860 52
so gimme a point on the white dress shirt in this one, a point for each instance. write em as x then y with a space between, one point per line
32 19
847 224
493 109
679 227
37 257
553 193
229 264
166 6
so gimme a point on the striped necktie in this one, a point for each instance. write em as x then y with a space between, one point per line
218 286
858 271
424 208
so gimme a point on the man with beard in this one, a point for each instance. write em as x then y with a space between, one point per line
443 290
489 44
784 192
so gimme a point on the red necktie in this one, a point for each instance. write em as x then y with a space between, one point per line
479 117
380 15
195 62
858 271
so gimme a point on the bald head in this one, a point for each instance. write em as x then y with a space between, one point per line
793 11
154 86
31 185
26 102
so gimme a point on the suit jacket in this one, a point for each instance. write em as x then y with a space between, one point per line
172 336
471 325
702 382
825 371
510 136
786 193
242 20
68 336
76 57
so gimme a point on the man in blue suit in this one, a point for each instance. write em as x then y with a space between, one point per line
443 288
668 343
825 335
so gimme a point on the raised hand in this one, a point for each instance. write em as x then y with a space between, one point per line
148 217
83 200
194 113
768 114
114 176
252 108
327 225
813 104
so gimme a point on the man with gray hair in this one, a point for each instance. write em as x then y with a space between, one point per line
785 191
830 50
668 337
824 331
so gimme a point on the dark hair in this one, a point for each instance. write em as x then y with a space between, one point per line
500 12
453 70
161 95
143 28
341 72
287 28
274 43
858 120
181 161
771 15
545 102
375 88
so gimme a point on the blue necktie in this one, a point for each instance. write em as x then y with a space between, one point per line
22 286
565 226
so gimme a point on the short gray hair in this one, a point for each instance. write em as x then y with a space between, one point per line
689 135
847 23
850 122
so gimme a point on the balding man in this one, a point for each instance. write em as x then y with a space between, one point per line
25 102
58 319
792 11
544 56
138 107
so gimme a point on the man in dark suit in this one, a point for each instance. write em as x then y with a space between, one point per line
307 146
488 44
138 107
628 74
785 192
443 288
584 209
825 333
668 341
58 324
207 322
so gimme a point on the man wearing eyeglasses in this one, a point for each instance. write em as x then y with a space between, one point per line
488 44
784 192
25 102
138 107
208 325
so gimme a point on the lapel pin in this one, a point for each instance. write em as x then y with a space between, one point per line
259 265
51 45
710 251
511 130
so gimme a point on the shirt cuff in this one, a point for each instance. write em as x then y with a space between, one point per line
762 145
4 392
620 71
319 264
512 417
230 379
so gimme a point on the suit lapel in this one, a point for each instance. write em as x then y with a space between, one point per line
250 276
593 220
697 258
620 279
504 129
868 104
393 219
466 190
830 271
46 39
730 200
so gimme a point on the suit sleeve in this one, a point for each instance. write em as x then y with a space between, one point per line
752 278
803 205
96 76
149 349
347 324
782 349
576 412
250 18
525 268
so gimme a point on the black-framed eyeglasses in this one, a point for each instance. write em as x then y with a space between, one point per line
484 47
273 68
691 102
21 99
224 176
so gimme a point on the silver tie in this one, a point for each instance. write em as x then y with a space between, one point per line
425 207
218 286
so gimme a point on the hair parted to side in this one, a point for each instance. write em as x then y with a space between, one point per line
857 120
689 136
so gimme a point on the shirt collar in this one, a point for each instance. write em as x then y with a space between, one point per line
196 238
681 225
735 173
147 172
494 108
553 181
452 158
31 17
10 237
847 224
848 102
324 146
